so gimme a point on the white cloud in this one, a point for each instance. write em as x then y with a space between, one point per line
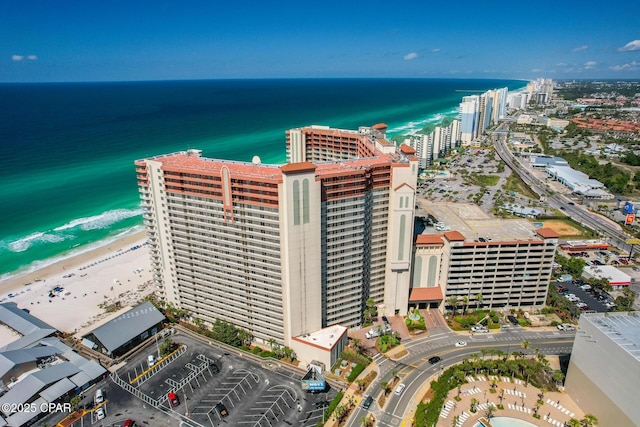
632 45
561 64
32 57
435 50
579 48
17 57
590 65
410 56
631 66
537 70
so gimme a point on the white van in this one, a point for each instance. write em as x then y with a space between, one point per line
151 360
99 397
372 333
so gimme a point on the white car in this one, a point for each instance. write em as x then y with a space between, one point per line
461 344
400 389
100 413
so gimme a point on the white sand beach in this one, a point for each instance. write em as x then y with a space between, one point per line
116 272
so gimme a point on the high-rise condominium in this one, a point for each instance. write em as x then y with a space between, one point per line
284 250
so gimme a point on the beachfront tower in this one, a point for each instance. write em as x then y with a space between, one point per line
284 250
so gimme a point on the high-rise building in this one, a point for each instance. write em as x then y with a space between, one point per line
283 251
435 144
469 117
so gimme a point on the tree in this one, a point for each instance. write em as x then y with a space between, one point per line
453 302
479 298
574 423
525 344
244 336
167 346
465 304
488 412
225 332
557 376
590 420
385 387
75 401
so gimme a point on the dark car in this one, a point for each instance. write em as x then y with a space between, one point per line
512 319
435 359
367 402
222 410
384 319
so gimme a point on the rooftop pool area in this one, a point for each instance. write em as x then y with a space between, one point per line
506 422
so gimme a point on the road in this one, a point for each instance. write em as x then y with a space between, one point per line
603 225
415 370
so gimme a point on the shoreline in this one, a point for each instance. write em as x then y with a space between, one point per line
71 263
75 293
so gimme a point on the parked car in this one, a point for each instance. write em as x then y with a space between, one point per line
512 319
129 423
99 396
151 360
173 399
100 413
221 409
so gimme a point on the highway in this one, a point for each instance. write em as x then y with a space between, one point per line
415 370
605 226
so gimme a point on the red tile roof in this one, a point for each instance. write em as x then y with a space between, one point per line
299 167
426 294
407 150
454 236
429 239
380 126
547 233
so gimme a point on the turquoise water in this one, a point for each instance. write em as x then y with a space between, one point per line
507 422
67 179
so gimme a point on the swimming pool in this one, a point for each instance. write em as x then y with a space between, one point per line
507 422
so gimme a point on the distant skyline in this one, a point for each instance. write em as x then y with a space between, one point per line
69 41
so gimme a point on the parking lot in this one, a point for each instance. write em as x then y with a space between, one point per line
587 297
214 386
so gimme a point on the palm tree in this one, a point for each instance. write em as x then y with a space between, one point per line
465 304
590 420
479 298
525 344
356 343
488 413
557 376
574 423
453 302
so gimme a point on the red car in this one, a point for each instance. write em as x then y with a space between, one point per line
173 399
129 423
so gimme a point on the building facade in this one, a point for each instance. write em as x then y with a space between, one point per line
604 369
483 273
283 251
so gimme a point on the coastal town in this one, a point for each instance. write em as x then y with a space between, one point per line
480 270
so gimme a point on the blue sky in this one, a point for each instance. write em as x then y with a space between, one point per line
66 40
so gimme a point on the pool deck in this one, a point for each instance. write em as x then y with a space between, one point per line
519 401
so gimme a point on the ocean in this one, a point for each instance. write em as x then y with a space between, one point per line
67 179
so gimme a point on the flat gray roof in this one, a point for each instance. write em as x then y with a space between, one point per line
621 328
472 222
127 326
31 328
